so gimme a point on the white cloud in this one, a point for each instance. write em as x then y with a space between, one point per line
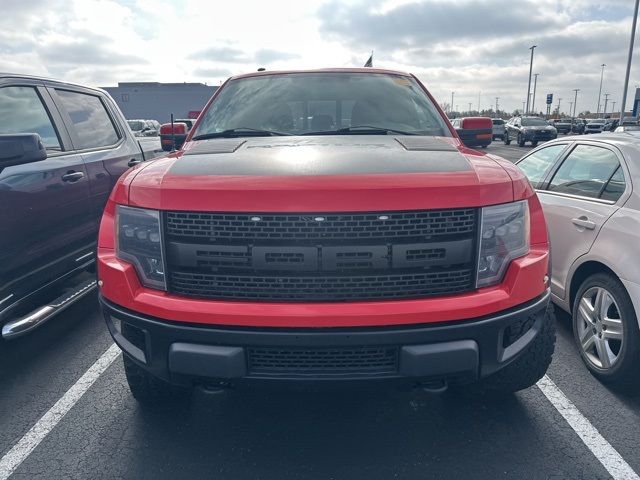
461 45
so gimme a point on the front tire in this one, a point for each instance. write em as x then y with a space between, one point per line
521 140
149 390
506 139
529 367
605 328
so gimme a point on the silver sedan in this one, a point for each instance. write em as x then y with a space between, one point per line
586 188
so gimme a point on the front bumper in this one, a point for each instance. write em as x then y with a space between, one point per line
540 135
459 352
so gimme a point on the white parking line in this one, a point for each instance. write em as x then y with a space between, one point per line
21 450
608 456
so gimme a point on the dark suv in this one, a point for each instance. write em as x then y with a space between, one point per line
62 149
528 129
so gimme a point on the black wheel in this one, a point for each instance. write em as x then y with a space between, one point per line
521 140
605 327
506 138
529 367
149 390
534 144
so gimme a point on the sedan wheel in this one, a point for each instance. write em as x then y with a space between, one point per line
605 328
600 328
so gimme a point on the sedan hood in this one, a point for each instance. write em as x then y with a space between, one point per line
323 173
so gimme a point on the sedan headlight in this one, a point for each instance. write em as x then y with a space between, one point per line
504 237
139 241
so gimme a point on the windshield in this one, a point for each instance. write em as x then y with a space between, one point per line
304 103
534 122
598 120
564 120
136 125
498 122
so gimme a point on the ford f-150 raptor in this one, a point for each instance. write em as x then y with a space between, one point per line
326 226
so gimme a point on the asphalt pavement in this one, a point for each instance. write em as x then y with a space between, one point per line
299 434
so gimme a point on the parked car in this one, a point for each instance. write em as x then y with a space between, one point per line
563 125
273 248
62 148
592 206
172 136
610 125
144 128
595 126
498 128
528 129
569 125
627 128
474 131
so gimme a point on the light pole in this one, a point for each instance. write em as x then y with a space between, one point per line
452 94
600 90
575 101
530 70
626 78
570 107
613 108
535 84
497 98
522 108
470 107
479 92
606 101
559 106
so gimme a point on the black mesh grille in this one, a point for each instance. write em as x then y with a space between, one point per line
321 257
321 288
394 225
322 361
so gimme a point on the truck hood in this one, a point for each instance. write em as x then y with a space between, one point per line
323 174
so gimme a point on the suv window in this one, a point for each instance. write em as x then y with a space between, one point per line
22 111
92 122
586 171
497 121
536 165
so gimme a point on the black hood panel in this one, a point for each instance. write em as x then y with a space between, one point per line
339 155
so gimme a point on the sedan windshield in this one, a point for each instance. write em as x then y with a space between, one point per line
322 103
534 122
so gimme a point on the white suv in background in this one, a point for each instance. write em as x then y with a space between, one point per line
593 214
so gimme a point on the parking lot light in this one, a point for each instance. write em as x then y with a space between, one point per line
532 48
600 90
575 101
629 58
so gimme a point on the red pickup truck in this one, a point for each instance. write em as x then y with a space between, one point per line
326 226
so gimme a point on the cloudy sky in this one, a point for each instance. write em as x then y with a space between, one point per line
466 46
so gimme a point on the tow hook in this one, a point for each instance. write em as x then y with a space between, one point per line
438 386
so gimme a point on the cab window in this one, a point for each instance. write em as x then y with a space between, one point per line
22 111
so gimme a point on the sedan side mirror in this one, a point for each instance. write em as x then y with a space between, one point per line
21 148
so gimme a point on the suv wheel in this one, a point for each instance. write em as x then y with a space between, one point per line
521 140
529 367
606 331
149 390
506 138
534 144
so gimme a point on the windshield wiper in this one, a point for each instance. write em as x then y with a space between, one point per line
361 130
240 132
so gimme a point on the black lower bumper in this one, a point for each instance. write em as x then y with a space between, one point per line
456 352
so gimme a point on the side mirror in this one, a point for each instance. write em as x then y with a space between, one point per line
21 148
169 135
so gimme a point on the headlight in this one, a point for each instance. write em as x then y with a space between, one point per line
139 241
504 236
